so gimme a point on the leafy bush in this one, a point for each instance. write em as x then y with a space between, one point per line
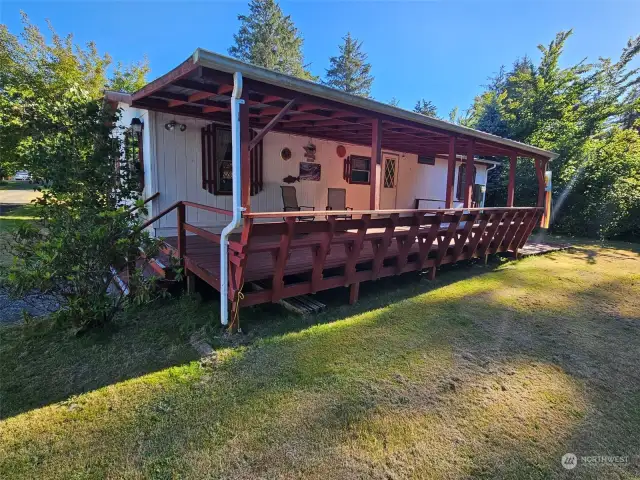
588 114
56 126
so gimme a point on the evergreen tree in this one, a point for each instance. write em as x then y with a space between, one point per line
394 102
269 39
453 115
350 71
426 107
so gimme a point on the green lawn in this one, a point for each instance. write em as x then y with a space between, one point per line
492 372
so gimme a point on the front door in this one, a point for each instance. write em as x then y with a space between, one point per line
389 181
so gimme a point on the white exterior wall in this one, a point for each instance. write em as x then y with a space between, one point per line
127 113
174 160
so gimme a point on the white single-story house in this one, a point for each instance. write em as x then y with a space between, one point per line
257 177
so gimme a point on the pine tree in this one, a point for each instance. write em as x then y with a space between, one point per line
350 71
426 107
269 39
394 102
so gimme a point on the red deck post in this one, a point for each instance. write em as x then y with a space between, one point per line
182 234
451 171
354 293
511 189
376 162
245 153
540 176
468 189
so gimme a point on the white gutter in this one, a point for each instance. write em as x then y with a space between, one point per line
486 181
236 208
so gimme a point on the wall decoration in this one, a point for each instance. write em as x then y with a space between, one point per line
341 151
310 152
310 171
285 154
290 179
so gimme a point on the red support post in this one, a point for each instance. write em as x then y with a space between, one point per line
182 234
511 189
540 164
354 293
468 189
451 171
376 161
245 153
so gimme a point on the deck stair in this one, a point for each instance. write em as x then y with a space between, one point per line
159 266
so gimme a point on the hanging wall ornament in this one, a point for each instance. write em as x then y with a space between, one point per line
341 151
310 152
285 154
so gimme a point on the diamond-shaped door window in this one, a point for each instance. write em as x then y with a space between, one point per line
390 172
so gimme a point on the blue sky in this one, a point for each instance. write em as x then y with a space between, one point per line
440 50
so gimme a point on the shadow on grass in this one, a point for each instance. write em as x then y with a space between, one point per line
505 395
272 319
41 364
458 378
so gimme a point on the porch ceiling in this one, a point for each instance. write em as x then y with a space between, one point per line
196 90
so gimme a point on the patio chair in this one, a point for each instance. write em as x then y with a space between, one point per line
337 200
290 202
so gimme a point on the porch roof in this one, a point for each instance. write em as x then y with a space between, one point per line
201 87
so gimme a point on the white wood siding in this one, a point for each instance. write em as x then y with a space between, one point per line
177 161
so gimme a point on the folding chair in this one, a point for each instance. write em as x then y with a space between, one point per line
290 202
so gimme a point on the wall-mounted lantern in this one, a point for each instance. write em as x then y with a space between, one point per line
136 125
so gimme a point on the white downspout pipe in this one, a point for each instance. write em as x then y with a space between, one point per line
237 208
486 182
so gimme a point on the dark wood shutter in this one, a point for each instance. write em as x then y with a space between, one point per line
210 166
133 156
256 166
209 158
346 173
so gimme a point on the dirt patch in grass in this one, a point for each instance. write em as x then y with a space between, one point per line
490 373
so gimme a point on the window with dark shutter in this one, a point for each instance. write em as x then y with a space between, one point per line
357 170
216 161
133 157
462 180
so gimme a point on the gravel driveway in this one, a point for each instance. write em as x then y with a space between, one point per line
13 197
36 305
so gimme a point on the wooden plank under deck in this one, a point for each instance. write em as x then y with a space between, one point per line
260 264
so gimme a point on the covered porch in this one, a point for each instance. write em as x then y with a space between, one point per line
287 255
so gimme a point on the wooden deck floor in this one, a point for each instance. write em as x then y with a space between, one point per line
261 264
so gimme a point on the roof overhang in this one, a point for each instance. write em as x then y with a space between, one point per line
201 87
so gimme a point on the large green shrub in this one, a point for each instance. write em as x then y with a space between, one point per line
56 125
585 112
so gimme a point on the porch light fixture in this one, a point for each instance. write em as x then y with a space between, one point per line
173 124
136 125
